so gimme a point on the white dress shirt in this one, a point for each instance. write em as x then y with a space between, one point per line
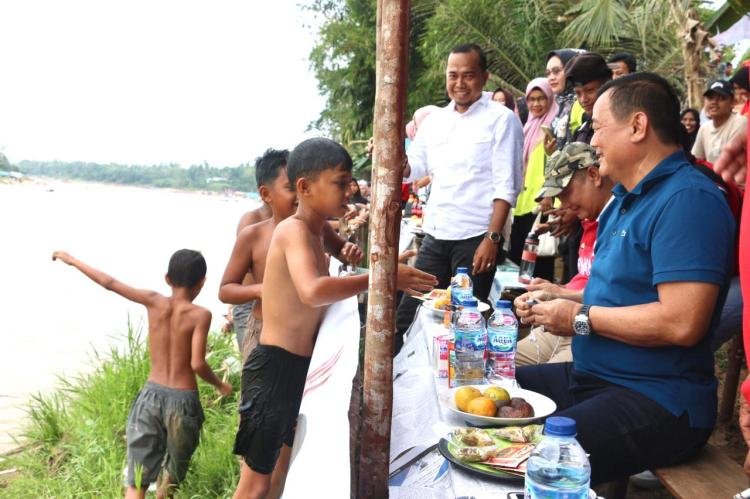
473 158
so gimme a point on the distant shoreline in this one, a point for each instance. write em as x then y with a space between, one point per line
46 181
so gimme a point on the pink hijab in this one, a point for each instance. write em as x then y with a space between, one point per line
532 132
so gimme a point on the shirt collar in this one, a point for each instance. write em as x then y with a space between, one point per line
665 168
481 102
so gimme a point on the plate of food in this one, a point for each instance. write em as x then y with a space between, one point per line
438 300
499 453
491 405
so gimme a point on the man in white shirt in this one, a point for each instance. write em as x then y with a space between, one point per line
724 124
472 150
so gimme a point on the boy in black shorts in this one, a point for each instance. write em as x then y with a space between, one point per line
166 417
296 290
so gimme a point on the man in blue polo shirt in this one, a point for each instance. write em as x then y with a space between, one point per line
641 386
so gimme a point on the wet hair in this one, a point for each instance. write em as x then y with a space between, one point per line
625 57
186 268
510 102
312 156
651 94
465 48
268 166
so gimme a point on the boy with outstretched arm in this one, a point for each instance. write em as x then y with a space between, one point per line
243 276
166 417
296 290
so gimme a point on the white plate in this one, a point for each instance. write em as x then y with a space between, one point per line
430 305
543 407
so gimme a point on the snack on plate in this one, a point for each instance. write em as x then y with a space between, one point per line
476 454
442 298
473 437
518 434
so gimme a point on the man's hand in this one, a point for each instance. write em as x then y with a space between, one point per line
62 256
555 316
350 253
225 389
732 163
404 257
484 257
560 226
539 284
523 309
413 281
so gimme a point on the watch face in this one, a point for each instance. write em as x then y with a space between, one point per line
493 236
581 325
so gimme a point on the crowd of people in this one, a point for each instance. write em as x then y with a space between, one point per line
604 158
596 153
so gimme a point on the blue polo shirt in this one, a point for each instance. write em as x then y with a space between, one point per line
674 226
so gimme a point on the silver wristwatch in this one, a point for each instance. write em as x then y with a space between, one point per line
581 322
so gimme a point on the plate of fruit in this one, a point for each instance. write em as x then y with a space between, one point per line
490 405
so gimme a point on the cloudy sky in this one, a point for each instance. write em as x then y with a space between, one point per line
147 82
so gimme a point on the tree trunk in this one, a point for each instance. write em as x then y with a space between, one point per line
385 220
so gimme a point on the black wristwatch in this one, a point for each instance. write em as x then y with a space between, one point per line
581 322
493 236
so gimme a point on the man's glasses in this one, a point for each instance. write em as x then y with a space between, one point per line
555 71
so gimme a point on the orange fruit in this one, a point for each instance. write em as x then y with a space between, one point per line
497 394
464 395
482 406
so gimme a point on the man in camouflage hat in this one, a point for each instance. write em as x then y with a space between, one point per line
572 175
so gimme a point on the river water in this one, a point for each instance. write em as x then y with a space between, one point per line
53 317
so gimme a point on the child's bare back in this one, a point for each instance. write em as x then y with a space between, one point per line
174 324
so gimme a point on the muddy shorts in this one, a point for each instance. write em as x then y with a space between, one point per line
273 380
163 429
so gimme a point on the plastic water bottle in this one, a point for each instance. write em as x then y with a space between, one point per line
462 288
470 336
502 333
528 258
558 468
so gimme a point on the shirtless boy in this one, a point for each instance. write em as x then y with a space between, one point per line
296 291
177 331
243 276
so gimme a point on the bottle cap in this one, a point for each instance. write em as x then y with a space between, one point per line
503 304
462 270
560 426
470 302
533 236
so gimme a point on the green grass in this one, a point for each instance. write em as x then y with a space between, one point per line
75 439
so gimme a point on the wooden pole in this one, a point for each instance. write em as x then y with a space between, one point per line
385 219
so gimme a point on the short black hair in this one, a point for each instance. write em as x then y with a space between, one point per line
268 165
312 156
186 268
625 57
585 68
465 48
651 94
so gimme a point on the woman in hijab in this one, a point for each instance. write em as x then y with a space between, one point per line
691 122
540 100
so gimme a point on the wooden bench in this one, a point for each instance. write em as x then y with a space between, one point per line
711 474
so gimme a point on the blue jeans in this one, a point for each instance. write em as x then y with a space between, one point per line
730 320
623 431
441 258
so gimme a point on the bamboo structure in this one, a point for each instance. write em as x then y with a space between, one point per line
385 220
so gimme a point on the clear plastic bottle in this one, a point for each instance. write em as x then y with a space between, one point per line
558 468
502 333
461 286
528 258
470 336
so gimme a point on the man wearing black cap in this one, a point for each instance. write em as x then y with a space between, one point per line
724 123
587 72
